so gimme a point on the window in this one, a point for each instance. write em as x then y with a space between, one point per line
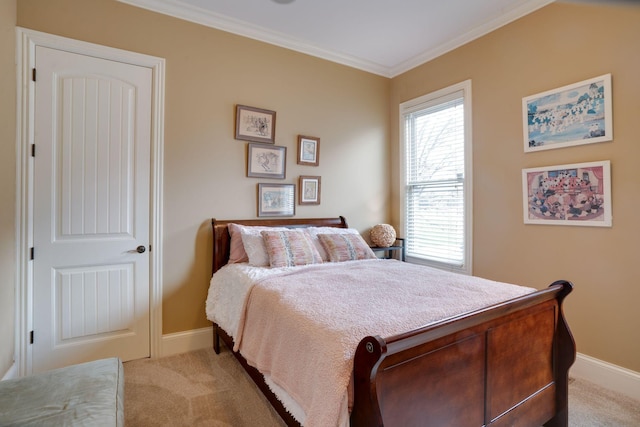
436 185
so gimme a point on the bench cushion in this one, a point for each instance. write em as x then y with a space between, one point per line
87 394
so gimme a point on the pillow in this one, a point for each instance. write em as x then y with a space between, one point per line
290 248
251 242
236 248
345 247
314 231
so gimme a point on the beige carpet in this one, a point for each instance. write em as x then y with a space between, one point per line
201 388
198 388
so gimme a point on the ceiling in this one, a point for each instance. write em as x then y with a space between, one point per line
379 36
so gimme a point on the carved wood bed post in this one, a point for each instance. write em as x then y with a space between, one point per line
366 409
566 356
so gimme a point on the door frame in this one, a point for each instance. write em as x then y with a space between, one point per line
27 41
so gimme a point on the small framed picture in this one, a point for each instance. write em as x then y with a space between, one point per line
255 124
309 189
308 150
276 199
575 194
266 161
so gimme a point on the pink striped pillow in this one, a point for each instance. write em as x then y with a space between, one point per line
314 231
345 247
290 248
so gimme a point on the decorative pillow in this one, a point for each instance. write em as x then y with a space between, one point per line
290 248
252 244
345 247
236 248
314 231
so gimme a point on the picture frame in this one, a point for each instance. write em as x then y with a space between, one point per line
572 194
255 124
276 199
575 114
308 150
309 190
266 161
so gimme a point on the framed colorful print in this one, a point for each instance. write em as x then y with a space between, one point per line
576 194
309 189
276 199
266 161
255 124
571 115
308 150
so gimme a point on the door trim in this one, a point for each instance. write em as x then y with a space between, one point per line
27 40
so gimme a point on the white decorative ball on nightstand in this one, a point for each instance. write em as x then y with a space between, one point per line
383 235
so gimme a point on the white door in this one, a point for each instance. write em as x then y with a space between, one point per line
90 209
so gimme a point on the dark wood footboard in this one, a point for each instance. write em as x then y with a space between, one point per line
505 365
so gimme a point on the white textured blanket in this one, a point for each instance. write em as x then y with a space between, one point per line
301 325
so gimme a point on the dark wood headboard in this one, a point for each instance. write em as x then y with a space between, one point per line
221 238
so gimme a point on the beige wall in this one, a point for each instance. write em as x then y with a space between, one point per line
207 73
555 46
7 181
354 113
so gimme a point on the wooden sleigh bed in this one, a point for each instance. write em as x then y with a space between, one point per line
504 365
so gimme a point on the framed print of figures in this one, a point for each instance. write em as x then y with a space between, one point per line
266 161
276 199
309 188
255 124
571 115
308 150
576 194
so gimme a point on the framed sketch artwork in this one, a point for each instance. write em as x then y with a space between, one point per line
576 114
276 199
575 194
255 124
266 161
309 189
308 150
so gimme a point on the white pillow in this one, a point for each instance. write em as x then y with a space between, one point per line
254 244
314 231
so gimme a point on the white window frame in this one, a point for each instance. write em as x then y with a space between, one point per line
417 104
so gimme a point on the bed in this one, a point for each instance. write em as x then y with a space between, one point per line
503 364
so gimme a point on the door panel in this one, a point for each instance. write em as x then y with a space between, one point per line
94 300
91 209
96 158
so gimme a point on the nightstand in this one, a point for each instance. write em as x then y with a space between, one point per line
395 251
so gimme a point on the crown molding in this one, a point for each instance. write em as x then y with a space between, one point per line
179 9
501 21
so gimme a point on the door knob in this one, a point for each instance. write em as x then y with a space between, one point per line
141 249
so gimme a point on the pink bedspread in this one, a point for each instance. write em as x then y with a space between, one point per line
302 327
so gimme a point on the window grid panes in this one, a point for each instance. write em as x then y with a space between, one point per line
435 181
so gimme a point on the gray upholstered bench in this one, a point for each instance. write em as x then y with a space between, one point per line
87 394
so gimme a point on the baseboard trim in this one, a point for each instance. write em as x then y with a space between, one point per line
11 373
604 374
182 342
607 375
